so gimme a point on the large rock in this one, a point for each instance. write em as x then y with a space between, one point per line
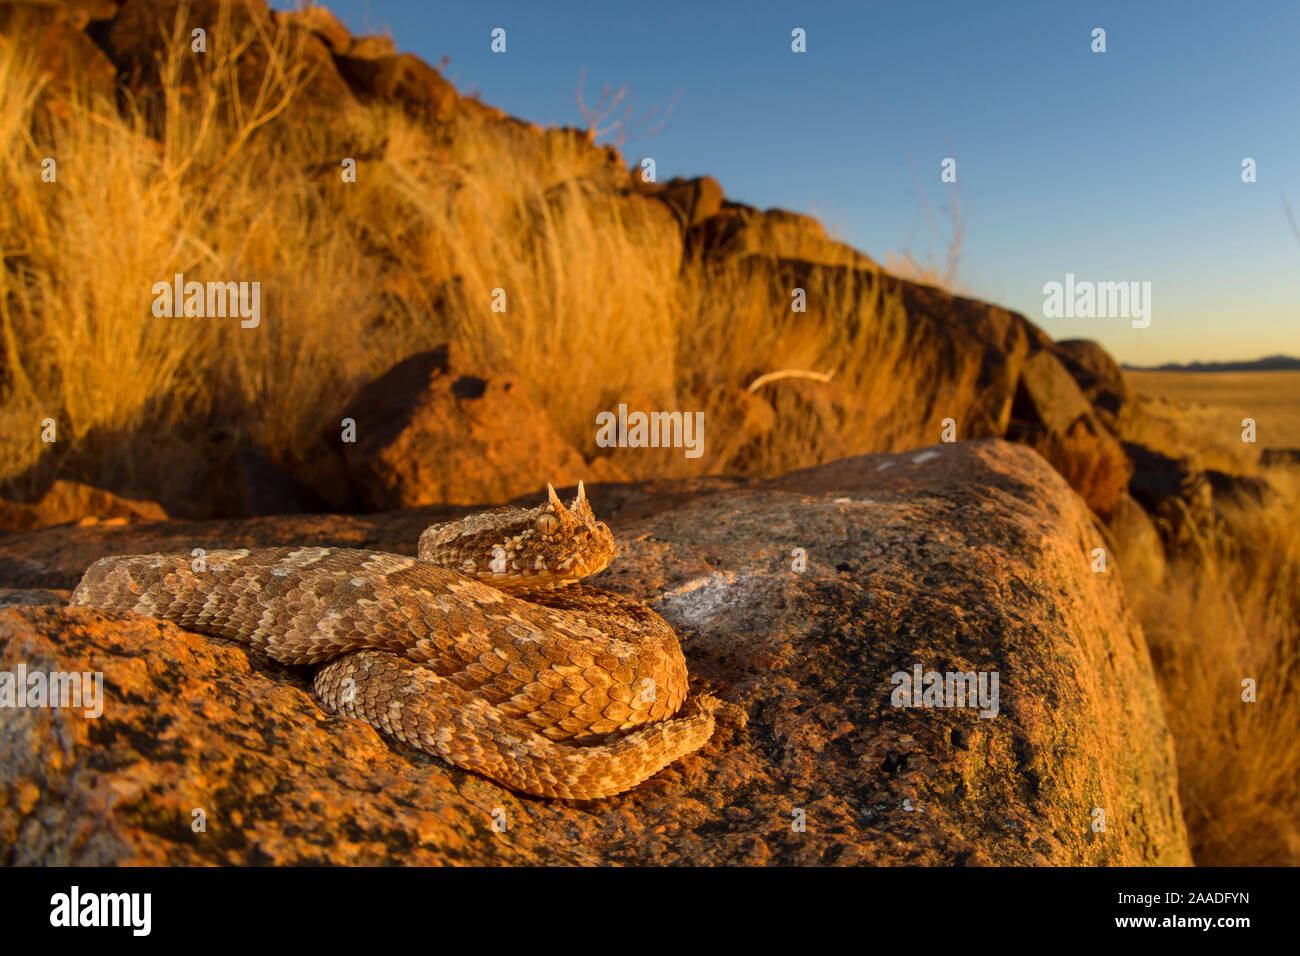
969 557
1051 414
216 475
1137 543
738 230
75 13
1177 495
75 70
717 229
691 200
321 22
962 357
1101 380
254 485
75 501
438 427
139 38
402 79
1279 457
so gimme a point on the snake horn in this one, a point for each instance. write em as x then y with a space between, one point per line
554 498
582 494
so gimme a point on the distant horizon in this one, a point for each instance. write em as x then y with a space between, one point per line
1210 366
1115 166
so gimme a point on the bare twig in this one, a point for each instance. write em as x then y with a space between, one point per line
762 380
931 271
604 119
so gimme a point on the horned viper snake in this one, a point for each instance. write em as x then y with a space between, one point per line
483 650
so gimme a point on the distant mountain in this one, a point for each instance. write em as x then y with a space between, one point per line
1270 363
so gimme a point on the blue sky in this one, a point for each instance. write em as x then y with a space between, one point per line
1115 166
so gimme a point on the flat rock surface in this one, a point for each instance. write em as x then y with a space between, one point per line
966 557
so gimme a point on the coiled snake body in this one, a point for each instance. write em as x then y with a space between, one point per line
472 651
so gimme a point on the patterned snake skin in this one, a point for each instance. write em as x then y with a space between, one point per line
473 652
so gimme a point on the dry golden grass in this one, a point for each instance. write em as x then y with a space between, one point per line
929 270
218 185
1228 610
741 321
1223 613
1201 412
1098 471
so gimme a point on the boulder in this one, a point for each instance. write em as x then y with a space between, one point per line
962 357
137 42
1051 414
1242 489
372 47
1137 543
33 597
1101 380
1050 396
740 230
960 558
402 79
323 470
75 501
74 68
691 200
438 427
258 486
1172 490
76 13
323 23
215 475
975 349
1278 457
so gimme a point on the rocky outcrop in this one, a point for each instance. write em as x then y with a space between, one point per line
1101 380
1278 457
1052 415
739 230
139 37
967 353
438 427
75 69
990 370
799 599
1174 492
692 201
716 229
75 501
1136 538
402 79
968 361
323 23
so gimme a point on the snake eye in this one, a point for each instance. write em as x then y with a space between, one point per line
548 524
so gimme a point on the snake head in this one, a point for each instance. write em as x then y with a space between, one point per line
546 545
